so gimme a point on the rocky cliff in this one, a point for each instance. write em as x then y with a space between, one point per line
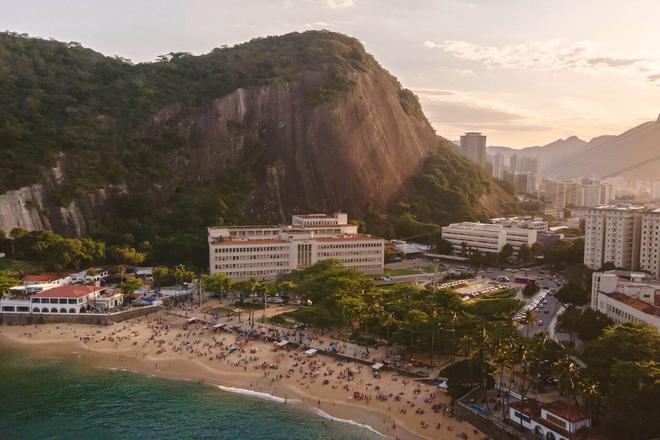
352 148
301 122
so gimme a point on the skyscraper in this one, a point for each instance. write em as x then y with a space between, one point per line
498 166
473 146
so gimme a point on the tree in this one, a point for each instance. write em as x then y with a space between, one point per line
159 273
530 290
536 249
588 324
529 319
8 279
127 255
633 400
217 283
129 286
524 253
506 253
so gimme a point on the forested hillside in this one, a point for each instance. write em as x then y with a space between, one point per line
147 155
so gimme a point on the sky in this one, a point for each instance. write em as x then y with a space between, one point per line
524 72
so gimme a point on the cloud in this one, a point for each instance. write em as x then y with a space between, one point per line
337 4
432 92
548 55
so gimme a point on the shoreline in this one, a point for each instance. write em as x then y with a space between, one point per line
325 399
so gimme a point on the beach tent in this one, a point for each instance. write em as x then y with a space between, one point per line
377 366
282 343
311 352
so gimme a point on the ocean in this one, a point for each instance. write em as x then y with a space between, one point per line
51 399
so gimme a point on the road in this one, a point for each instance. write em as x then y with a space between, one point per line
543 318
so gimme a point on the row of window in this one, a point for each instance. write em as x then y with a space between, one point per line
350 245
240 265
225 250
56 300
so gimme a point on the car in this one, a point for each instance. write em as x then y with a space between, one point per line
546 311
540 322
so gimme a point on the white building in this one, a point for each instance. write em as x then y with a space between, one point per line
485 237
60 279
626 296
265 252
612 234
649 253
69 299
551 421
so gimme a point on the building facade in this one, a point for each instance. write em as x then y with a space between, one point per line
613 234
626 296
266 252
486 238
68 299
473 146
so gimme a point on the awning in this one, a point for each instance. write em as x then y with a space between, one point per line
218 325
311 352
377 366
282 343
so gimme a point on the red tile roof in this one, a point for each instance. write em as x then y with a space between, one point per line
46 276
71 291
635 303
565 410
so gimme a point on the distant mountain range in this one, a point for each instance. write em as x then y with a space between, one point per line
634 153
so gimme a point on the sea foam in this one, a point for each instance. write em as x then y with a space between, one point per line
257 394
325 415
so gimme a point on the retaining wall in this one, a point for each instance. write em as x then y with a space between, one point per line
82 318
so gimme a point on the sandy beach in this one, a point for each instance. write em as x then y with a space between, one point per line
165 345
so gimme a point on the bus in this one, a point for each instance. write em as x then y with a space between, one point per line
524 280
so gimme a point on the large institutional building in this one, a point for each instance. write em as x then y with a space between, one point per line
473 146
485 237
626 296
626 235
265 252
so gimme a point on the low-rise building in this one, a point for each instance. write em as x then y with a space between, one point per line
485 237
268 251
626 296
551 421
61 279
69 299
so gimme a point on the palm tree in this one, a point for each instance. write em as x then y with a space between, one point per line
569 377
529 319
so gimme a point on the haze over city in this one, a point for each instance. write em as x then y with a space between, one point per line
329 219
526 73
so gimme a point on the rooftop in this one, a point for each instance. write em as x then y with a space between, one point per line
45 276
228 241
565 410
71 291
348 238
635 303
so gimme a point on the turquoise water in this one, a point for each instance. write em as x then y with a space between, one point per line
65 400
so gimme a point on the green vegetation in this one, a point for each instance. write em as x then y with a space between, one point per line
448 189
8 278
530 290
588 324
